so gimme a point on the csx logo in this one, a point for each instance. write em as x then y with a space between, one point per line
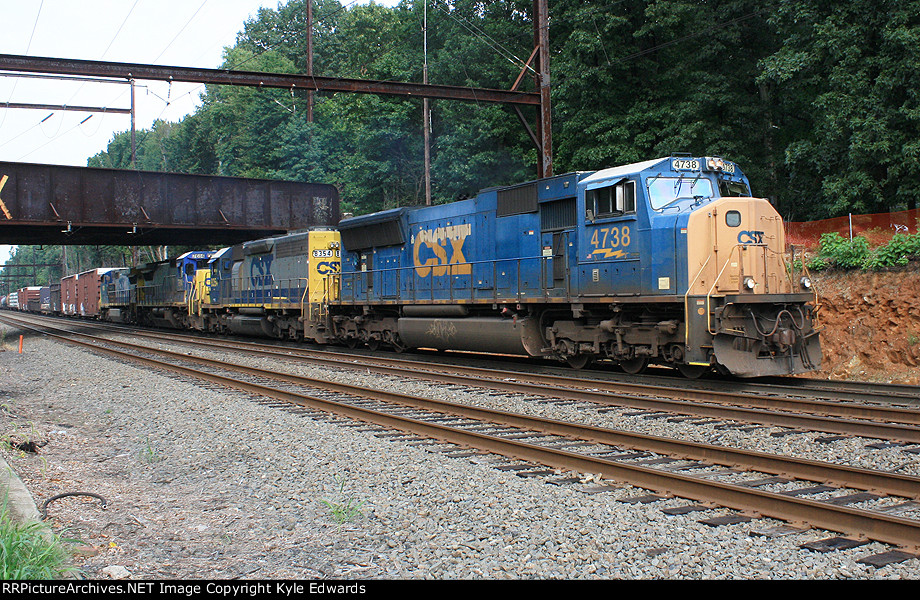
440 242
750 237
325 267
260 271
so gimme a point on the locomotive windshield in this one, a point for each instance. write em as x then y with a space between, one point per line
663 191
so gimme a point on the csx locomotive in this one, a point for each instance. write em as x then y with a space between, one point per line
669 261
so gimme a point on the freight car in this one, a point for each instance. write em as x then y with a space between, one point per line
44 303
667 261
28 298
79 294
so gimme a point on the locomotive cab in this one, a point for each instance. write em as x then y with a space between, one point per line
706 262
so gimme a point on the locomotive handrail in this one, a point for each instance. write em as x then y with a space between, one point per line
687 301
716 282
303 297
540 291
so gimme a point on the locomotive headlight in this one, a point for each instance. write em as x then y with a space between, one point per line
749 283
714 163
806 282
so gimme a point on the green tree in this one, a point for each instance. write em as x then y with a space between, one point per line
847 78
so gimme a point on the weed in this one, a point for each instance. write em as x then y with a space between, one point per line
21 440
149 454
837 251
30 551
346 509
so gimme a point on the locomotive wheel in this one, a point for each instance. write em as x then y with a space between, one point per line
634 366
373 344
579 361
692 371
351 342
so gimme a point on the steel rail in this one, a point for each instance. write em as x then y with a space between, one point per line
873 525
877 481
899 391
720 406
892 423
908 416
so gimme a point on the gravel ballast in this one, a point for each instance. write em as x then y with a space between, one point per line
202 482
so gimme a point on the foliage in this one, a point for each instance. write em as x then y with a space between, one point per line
849 77
818 102
149 454
29 551
897 252
67 260
345 508
835 251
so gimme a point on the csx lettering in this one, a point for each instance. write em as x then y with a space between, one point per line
750 237
439 240
324 268
260 271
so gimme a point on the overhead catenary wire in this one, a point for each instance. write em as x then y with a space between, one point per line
111 42
58 137
22 133
192 18
28 47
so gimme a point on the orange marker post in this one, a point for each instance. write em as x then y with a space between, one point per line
20 344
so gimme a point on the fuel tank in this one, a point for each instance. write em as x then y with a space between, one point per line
473 334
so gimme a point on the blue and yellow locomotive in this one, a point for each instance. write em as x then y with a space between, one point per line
667 261
275 287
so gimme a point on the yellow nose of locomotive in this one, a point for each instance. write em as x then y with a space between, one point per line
744 313
736 246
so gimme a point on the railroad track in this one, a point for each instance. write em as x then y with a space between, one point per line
705 473
869 417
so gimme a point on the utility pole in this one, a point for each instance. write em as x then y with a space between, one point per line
133 144
544 123
426 110
310 58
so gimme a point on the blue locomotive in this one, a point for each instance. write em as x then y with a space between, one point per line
667 261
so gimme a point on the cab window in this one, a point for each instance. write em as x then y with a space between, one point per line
612 200
733 188
663 191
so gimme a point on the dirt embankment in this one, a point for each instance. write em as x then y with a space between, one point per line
872 325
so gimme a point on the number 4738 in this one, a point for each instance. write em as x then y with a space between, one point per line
610 237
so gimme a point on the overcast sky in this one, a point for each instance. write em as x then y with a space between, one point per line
189 33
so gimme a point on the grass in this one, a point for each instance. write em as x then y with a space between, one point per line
31 551
149 454
345 510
